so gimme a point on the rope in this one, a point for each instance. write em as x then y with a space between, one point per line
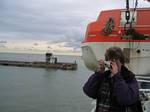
136 4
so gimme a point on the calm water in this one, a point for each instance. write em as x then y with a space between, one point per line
42 90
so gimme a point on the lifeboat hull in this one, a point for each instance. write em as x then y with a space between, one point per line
109 30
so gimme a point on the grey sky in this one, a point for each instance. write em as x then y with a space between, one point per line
51 20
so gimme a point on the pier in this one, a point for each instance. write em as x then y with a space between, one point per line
62 65
51 62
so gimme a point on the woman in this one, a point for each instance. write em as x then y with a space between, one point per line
115 89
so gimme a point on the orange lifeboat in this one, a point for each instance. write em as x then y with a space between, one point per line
111 29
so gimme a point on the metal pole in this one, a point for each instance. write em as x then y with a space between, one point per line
127 14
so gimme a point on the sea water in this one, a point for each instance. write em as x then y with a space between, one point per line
24 89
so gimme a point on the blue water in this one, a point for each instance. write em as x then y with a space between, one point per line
42 90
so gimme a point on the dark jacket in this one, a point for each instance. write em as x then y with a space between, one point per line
125 87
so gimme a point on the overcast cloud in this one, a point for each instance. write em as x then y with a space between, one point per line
52 21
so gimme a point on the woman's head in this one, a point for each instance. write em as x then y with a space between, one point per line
115 53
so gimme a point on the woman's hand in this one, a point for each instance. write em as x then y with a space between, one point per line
114 67
101 67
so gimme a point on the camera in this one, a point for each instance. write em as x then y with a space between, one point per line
107 64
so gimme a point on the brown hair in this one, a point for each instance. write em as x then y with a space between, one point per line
115 53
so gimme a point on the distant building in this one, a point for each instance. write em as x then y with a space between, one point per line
50 58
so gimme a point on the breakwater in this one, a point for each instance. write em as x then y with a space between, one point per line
58 65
